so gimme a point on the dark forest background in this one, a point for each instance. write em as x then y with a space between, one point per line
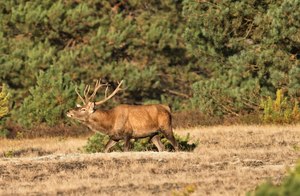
217 58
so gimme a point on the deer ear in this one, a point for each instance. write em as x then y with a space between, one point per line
91 108
92 104
78 105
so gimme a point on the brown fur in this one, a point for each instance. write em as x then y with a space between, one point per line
128 122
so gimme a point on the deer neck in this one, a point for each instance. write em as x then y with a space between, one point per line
100 121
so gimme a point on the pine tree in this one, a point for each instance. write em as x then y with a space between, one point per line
49 99
248 50
135 40
227 54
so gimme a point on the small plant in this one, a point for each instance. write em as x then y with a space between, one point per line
184 143
97 142
289 186
4 109
280 110
4 133
4 96
187 190
20 135
296 147
9 154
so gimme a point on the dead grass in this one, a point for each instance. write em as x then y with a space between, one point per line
44 146
230 160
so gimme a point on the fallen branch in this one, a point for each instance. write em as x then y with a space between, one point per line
177 93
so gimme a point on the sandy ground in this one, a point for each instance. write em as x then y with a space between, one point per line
230 160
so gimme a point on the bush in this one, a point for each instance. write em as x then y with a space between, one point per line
185 143
218 57
139 41
4 101
97 142
246 50
289 186
217 97
3 133
48 101
280 110
4 108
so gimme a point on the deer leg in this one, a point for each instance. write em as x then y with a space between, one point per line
156 141
109 144
170 136
126 144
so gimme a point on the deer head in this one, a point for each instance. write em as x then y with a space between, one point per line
82 112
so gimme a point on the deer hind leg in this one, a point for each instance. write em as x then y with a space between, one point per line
168 133
156 141
109 144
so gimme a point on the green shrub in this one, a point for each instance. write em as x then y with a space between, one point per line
49 99
4 109
245 50
217 97
185 143
185 191
226 55
280 110
97 142
3 133
289 186
139 41
9 154
4 96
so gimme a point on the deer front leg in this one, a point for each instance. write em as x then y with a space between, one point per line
109 144
126 144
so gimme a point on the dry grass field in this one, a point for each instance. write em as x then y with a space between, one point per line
230 160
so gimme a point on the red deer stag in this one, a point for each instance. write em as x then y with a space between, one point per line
124 122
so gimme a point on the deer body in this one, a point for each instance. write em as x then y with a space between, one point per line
126 122
129 121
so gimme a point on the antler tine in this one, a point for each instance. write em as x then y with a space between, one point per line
111 95
97 86
85 90
106 90
86 93
76 90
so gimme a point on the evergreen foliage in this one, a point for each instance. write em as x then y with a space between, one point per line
135 40
289 186
4 109
219 57
49 100
4 102
247 50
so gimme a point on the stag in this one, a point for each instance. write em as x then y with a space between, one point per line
124 122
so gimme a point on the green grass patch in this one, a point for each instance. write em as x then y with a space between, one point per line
97 142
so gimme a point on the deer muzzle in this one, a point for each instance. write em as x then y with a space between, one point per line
70 114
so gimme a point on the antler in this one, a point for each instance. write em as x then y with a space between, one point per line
86 91
83 101
98 85
96 88
111 95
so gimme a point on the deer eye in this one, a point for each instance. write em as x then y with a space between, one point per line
83 109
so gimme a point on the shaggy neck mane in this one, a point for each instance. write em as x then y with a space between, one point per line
100 121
